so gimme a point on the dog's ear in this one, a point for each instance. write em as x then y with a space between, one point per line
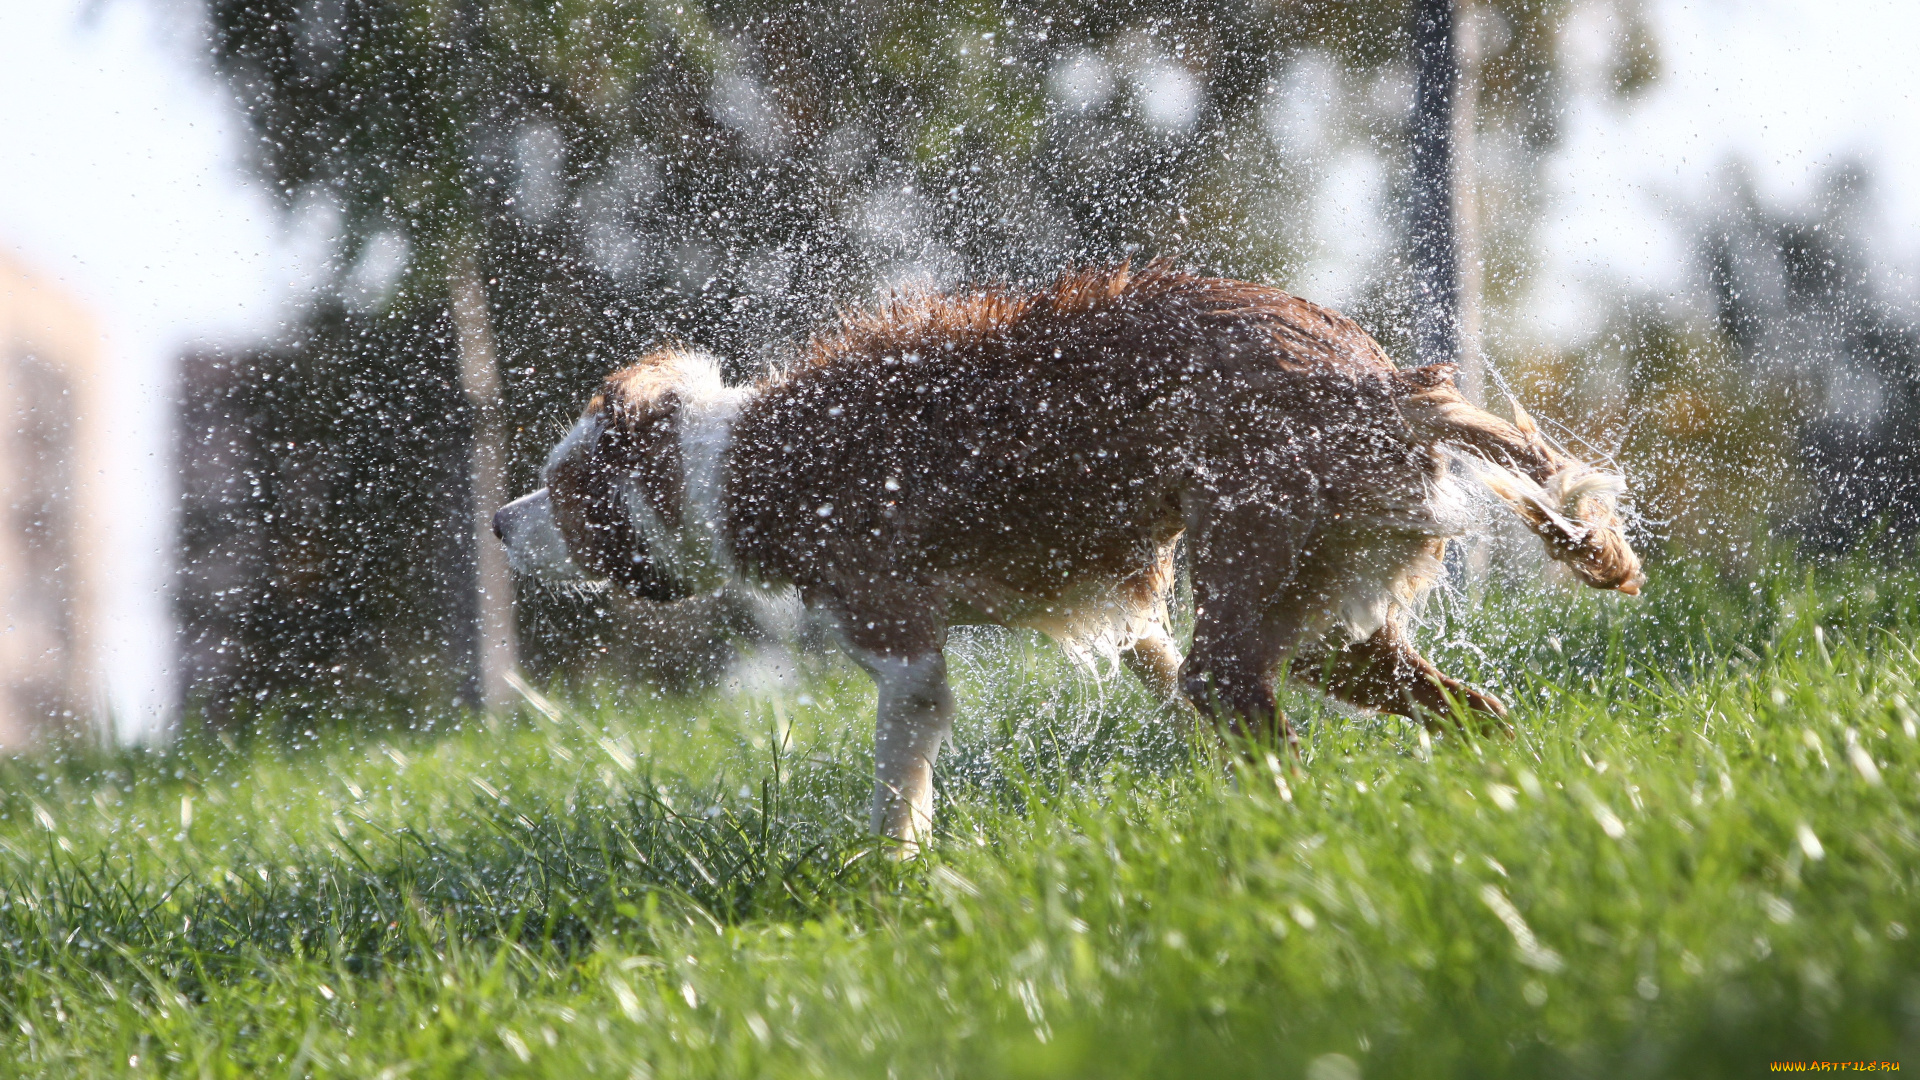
635 393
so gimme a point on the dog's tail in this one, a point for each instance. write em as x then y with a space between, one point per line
1569 504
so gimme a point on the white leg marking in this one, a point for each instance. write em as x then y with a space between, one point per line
916 716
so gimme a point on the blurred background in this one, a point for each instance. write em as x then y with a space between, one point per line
291 291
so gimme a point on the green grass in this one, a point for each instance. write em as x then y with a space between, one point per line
1698 854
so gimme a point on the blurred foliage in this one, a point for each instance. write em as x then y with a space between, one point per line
759 122
1797 295
1790 404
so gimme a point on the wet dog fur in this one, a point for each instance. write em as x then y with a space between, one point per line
1032 457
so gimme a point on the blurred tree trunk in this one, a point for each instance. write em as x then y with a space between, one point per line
495 652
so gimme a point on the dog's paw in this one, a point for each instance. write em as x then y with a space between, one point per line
1479 700
1489 713
1254 741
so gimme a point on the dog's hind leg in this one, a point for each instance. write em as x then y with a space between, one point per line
1231 674
1387 673
1249 614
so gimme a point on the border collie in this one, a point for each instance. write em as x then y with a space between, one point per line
1031 458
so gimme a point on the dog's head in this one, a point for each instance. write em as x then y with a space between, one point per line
615 504
1570 505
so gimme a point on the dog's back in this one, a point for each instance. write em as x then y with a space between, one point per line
1015 449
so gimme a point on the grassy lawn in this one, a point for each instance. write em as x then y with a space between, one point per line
1698 855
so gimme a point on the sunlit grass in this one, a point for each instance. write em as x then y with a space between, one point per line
1697 854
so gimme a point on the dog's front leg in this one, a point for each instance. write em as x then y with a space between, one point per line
916 716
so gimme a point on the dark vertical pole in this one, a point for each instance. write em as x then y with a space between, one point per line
1436 318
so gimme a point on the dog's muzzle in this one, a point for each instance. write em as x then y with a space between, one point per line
534 544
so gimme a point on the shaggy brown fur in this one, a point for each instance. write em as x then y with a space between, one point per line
1030 458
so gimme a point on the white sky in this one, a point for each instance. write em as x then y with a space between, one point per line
1788 88
121 175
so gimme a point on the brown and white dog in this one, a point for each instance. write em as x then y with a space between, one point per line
1030 458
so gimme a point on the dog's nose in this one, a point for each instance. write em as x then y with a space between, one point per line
533 539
